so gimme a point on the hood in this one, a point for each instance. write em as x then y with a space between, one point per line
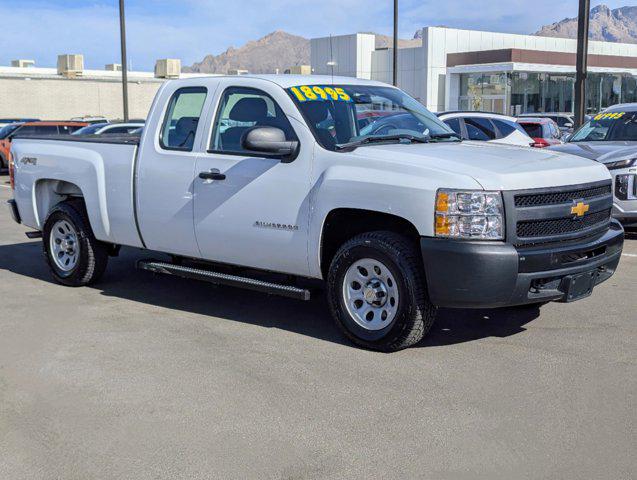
495 167
592 150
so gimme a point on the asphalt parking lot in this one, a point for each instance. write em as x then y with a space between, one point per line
146 377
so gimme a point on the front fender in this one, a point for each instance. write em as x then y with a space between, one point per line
410 196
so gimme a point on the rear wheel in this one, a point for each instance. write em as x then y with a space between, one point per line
377 292
75 257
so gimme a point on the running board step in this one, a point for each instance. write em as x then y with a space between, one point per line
224 279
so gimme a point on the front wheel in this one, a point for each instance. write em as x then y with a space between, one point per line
377 292
75 257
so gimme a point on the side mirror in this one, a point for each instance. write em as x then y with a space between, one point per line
270 141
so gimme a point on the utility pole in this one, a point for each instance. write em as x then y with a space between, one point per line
122 32
395 51
582 61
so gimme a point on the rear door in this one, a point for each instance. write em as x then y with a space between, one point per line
166 170
257 214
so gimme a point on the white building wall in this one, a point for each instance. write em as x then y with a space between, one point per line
423 70
352 55
410 74
58 99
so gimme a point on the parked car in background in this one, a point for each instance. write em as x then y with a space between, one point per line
487 127
565 121
9 121
35 129
109 129
611 138
543 131
90 119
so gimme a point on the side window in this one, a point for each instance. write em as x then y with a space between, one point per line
454 124
479 128
119 130
38 130
182 118
555 131
66 129
241 109
505 128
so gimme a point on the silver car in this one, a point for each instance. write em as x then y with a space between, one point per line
611 138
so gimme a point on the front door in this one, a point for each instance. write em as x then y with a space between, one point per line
255 211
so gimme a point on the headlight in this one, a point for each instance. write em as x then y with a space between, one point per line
474 215
629 162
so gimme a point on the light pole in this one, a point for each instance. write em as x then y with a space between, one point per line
582 61
395 51
122 32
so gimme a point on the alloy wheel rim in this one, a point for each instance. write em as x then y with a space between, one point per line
370 294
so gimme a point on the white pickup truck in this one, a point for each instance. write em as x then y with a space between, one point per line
241 178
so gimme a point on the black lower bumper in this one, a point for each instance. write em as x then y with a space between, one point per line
464 274
13 208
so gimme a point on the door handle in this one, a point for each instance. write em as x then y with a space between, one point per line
213 174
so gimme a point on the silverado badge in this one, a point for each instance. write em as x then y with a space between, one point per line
580 209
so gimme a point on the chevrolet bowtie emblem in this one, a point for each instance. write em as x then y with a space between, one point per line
580 209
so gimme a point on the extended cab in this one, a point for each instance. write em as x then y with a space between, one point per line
272 174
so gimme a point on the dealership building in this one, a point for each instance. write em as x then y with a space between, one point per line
70 90
471 70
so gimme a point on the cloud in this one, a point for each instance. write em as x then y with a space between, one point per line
190 29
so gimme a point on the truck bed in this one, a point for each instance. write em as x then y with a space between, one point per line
98 168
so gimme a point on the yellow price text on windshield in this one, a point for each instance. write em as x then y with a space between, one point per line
612 116
314 93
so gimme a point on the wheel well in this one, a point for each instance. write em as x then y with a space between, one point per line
49 193
345 223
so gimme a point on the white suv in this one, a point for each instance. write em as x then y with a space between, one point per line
487 127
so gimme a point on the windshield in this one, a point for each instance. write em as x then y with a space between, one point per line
609 127
342 115
8 129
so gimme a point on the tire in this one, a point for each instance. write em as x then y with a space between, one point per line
89 257
397 264
4 164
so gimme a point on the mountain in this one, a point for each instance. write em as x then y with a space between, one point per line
277 50
618 25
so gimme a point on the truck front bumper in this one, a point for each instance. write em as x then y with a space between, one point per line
466 274
13 208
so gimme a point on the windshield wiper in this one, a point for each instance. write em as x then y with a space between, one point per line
436 136
412 138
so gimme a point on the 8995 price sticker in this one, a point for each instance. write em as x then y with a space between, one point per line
317 93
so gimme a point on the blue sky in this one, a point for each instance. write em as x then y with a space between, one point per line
190 29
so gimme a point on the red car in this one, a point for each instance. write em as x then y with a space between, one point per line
33 128
543 131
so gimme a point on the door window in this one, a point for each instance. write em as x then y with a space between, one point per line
454 124
505 127
68 129
241 109
182 118
38 130
480 129
120 130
